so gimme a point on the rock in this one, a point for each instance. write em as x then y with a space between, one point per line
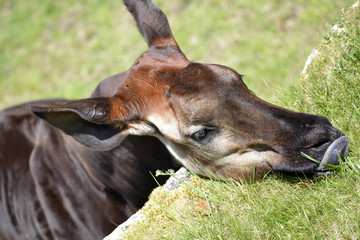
173 183
116 234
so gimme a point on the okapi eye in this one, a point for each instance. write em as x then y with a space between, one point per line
201 135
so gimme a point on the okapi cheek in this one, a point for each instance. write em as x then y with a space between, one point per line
248 173
167 124
249 166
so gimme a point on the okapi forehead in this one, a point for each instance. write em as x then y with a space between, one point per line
225 74
203 91
163 83
205 79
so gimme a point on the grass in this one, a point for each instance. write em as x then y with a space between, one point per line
330 86
274 209
54 49
280 207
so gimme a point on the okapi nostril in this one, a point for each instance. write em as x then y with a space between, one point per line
337 149
321 144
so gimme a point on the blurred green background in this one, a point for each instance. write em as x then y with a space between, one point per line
51 49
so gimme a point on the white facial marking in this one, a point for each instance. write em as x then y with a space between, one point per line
140 129
183 157
167 124
169 135
251 158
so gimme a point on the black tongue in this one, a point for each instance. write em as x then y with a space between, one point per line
337 149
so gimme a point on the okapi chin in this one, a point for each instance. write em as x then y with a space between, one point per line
69 169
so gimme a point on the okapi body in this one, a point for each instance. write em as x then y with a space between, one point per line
70 169
53 187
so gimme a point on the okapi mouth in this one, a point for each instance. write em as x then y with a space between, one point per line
321 158
337 150
324 158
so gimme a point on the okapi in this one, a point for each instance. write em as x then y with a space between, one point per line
70 169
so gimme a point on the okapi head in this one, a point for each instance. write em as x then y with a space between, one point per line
204 113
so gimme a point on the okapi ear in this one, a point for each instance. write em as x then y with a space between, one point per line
88 121
152 22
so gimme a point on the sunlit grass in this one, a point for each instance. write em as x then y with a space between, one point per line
64 48
278 208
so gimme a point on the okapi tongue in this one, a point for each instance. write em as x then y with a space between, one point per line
337 149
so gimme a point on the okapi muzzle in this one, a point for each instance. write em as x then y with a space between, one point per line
204 114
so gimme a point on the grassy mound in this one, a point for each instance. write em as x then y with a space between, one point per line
280 208
330 82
